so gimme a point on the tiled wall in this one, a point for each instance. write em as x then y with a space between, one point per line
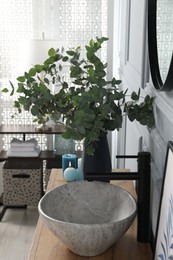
164 35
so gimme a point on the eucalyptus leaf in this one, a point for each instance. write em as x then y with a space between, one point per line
5 90
90 149
49 61
35 110
38 68
70 53
32 72
46 81
65 58
21 79
16 104
51 52
134 96
21 88
91 42
65 85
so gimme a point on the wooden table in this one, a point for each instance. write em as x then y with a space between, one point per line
46 246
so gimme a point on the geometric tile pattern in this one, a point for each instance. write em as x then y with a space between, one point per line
71 21
164 35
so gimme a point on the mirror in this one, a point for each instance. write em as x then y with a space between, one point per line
160 40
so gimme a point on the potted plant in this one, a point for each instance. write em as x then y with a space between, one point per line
89 105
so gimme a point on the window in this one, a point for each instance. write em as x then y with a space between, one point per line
74 22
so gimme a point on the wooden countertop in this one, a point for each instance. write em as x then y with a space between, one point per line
46 246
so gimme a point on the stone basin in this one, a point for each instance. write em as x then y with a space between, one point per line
88 217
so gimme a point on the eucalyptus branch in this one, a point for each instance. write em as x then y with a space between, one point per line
89 105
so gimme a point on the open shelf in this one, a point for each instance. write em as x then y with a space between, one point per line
44 155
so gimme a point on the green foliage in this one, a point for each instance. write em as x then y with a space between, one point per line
90 105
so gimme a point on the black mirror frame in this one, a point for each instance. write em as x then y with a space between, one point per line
153 52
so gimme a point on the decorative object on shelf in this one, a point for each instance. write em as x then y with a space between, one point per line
63 146
164 231
66 158
88 104
43 126
70 173
18 148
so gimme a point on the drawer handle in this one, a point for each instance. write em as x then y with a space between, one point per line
21 176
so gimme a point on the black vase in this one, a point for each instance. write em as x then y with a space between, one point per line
100 162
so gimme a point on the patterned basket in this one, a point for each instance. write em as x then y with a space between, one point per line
22 186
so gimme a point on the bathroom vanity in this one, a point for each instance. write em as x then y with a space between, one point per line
46 246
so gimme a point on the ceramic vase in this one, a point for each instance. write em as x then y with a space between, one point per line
100 162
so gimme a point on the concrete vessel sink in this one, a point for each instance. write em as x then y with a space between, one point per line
88 217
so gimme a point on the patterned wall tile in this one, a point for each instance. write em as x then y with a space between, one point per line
72 21
164 35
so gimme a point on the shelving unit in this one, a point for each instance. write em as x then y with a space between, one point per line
53 160
30 129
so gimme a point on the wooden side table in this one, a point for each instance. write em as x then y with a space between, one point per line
46 246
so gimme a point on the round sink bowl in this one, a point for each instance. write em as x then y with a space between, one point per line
88 217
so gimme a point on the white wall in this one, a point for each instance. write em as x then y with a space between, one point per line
132 62
134 71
